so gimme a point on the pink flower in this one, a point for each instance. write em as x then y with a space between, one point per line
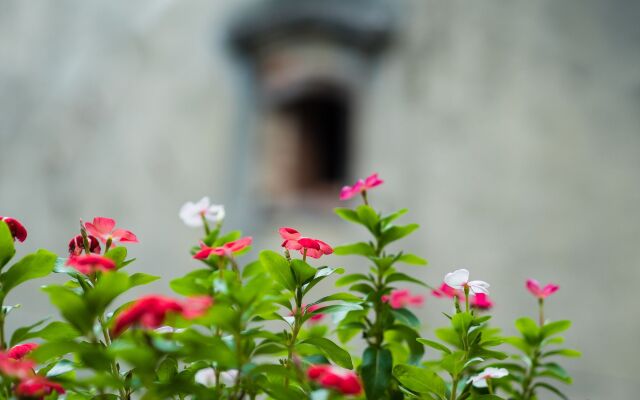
293 240
447 291
309 309
90 263
402 298
481 302
19 351
542 293
360 186
16 228
330 377
150 311
104 229
20 369
76 247
37 387
226 250
196 306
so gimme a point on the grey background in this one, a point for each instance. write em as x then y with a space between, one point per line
510 129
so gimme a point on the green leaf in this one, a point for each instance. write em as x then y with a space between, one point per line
55 331
140 278
553 328
304 272
461 322
435 345
118 255
376 372
332 351
349 279
32 266
72 307
553 370
321 274
396 233
551 389
20 334
194 283
109 286
279 268
412 259
348 215
360 248
368 217
563 353
420 380
400 277
406 317
338 297
7 244
384 222
529 329
410 336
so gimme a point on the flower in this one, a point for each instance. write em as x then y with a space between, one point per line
16 228
293 240
459 279
196 306
19 351
192 213
226 249
20 369
447 291
360 186
37 387
341 380
480 380
90 263
309 309
481 301
402 298
76 245
103 229
207 377
150 311
542 293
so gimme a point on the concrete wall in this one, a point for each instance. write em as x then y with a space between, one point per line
510 129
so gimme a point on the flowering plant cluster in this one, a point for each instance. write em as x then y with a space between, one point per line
261 329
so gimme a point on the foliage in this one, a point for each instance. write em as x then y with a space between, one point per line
258 329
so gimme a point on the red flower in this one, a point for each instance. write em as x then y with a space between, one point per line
481 301
15 368
103 229
18 352
542 293
293 240
447 291
372 181
90 263
343 381
314 318
37 387
150 311
402 298
226 250
16 228
76 247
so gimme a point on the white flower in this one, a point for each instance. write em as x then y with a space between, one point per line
168 329
480 380
192 213
207 377
459 279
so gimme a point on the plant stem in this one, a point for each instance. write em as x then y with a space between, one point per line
364 197
454 388
527 389
3 345
297 324
541 311
466 298
207 230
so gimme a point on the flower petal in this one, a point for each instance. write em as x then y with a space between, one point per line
457 279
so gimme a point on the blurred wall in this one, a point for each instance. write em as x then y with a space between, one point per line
510 129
